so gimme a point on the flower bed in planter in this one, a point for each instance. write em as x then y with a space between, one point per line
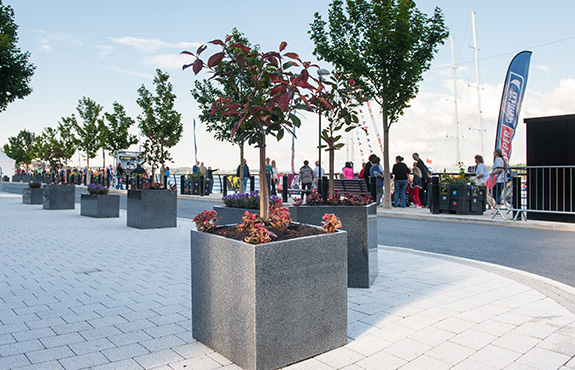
152 209
237 204
100 205
360 222
59 196
32 195
269 305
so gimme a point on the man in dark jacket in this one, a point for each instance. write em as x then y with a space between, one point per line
246 174
366 171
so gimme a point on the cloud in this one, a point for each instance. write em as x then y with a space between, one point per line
166 61
104 50
544 69
51 40
151 45
134 73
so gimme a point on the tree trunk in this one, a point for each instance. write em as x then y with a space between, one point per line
331 171
264 190
242 190
386 169
162 169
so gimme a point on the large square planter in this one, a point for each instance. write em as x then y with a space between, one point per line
460 199
152 209
360 222
32 195
232 215
100 206
59 197
269 305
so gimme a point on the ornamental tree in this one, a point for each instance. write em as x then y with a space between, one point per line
89 133
56 146
15 68
345 97
116 135
273 92
159 122
21 147
385 45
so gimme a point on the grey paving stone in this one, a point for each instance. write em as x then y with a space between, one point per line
125 352
90 346
20 347
50 354
11 362
88 360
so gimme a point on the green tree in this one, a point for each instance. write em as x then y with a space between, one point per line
385 45
56 146
89 132
207 93
15 69
116 135
159 122
21 147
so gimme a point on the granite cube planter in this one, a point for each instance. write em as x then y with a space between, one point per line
100 206
59 197
152 209
360 222
232 215
16 178
269 305
32 195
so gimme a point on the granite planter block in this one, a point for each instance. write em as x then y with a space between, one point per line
360 222
269 305
100 206
152 209
59 197
32 195
232 215
26 178
16 178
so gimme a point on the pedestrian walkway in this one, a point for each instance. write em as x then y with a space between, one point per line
77 292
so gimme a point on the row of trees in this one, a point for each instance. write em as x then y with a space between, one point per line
89 130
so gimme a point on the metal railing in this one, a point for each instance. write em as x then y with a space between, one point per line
540 189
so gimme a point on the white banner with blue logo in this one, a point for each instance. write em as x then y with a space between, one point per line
511 100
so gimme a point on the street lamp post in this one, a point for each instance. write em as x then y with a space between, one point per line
320 72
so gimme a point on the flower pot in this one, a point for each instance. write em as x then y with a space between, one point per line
152 209
59 197
100 206
26 178
460 199
269 305
17 178
32 195
360 222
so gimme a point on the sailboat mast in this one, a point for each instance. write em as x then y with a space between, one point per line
457 150
478 84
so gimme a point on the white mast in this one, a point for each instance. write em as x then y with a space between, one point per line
478 84
457 151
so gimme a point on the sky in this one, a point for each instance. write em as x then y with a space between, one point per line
106 50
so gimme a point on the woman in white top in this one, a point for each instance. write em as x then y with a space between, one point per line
499 171
481 171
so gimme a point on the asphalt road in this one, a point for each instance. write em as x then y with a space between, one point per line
540 251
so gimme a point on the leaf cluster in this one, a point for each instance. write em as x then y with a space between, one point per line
21 147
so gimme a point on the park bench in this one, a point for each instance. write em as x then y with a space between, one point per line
351 186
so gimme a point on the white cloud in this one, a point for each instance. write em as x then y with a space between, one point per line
134 73
151 45
104 50
51 40
166 61
544 69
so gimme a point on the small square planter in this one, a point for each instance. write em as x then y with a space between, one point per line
152 209
32 195
100 206
16 178
360 222
232 215
59 197
269 305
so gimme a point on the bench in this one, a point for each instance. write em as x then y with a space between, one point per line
351 186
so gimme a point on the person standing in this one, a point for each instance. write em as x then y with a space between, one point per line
367 171
499 174
424 177
481 171
167 174
306 176
195 168
202 168
376 172
210 175
246 174
416 186
275 177
347 171
119 176
400 172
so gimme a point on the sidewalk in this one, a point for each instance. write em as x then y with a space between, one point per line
77 292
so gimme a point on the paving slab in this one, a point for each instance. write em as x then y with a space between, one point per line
80 293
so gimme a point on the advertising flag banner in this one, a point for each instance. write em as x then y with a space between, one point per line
511 100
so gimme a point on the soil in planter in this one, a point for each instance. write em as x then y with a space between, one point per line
292 232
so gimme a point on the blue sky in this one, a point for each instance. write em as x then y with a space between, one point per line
106 50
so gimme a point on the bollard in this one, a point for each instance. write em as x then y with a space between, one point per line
434 197
252 183
324 189
516 188
285 188
373 189
224 186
